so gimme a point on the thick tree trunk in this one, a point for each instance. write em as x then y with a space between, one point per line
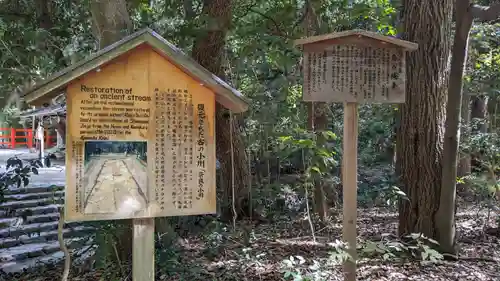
208 50
421 132
445 216
111 22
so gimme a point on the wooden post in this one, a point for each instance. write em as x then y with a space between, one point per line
47 138
143 250
42 143
33 128
12 138
350 185
30 139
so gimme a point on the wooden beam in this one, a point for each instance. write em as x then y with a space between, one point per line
143 250
350 186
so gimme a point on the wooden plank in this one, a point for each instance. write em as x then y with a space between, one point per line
410 46
100 109
143 250
350 185
190 193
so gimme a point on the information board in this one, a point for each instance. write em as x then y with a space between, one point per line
351 73
140 141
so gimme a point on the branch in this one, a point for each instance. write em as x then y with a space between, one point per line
278 30
486 13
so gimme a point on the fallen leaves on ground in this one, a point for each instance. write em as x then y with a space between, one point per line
260 256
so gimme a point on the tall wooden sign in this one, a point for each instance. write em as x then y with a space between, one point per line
353 67
140 140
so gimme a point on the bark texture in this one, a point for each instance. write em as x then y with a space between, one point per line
208 50
421 132
445 216
464 165
110 22
479 110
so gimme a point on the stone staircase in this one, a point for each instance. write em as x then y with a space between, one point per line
28 229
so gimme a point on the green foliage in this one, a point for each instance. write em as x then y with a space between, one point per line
8 117
29 52
296 268
17 174
414 246
382 196
320 157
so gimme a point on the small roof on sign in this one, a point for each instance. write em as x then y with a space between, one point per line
361 33
55 84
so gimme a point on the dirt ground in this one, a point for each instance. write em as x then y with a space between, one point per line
259 254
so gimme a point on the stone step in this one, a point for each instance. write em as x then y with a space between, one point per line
33 250
40 210
38 189
37 195
23 252
45 236
34 263
30 219
34 228
12 205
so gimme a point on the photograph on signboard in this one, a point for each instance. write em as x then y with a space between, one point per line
115 177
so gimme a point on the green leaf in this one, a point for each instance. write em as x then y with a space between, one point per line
315 170
305 143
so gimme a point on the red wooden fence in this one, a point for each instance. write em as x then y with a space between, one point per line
13 137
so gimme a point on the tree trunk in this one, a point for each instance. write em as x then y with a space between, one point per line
208 50
111 22
493 105
464 165
445 216
317 112
478 114
420 133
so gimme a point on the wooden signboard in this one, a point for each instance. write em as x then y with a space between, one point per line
140 141
140 137
354 74
353 67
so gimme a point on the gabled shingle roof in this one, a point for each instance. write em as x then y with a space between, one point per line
55 84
